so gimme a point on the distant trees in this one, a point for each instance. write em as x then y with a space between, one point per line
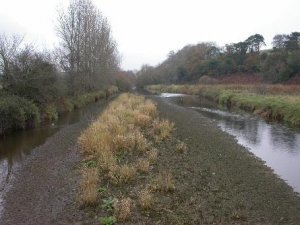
255 42
194 61
87 50
293 41
279 41
289 42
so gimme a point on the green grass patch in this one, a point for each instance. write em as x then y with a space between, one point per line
283 106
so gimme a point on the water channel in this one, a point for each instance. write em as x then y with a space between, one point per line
17 146
276 144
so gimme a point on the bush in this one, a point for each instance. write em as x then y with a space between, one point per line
50 114
17 113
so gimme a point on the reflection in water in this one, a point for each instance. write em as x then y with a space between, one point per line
277 145
15 147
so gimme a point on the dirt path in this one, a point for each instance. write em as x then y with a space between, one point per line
44 188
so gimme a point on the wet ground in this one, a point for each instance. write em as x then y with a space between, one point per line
40 184
274 143
219 181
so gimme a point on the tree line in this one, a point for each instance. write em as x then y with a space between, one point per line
36 85
195 61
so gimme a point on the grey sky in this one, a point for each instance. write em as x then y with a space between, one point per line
147 30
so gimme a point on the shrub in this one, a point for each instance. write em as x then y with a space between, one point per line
112 90
50 113
17 113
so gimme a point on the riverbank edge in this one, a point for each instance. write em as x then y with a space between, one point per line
32 116
270 107
44 187
253 186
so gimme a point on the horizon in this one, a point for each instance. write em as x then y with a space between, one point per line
147 31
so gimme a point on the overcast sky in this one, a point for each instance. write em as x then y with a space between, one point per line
147 30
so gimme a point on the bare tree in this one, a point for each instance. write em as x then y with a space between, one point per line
9 47
87 51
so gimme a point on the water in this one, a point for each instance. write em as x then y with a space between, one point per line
16 147
276 144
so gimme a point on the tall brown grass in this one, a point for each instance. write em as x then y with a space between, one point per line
123 129
162 129
90 179
152 155
123 209
145 199
164 182
143 165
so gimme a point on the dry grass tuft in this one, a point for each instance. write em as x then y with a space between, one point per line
123 209
107 160
141 143
127 173
162 129
88 186
181 147
122 174
143 165
152 155
145 199
141 120
164 182
124 142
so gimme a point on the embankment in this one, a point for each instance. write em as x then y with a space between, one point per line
20 113
272 102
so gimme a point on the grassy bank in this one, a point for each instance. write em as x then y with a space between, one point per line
119 179
272 102
20 113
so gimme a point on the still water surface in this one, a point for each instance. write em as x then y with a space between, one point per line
276 144
16 147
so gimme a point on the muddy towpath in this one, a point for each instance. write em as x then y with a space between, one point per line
43 189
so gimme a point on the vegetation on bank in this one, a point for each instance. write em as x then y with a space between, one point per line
192 62
39 85
272 102
18 113
119 180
